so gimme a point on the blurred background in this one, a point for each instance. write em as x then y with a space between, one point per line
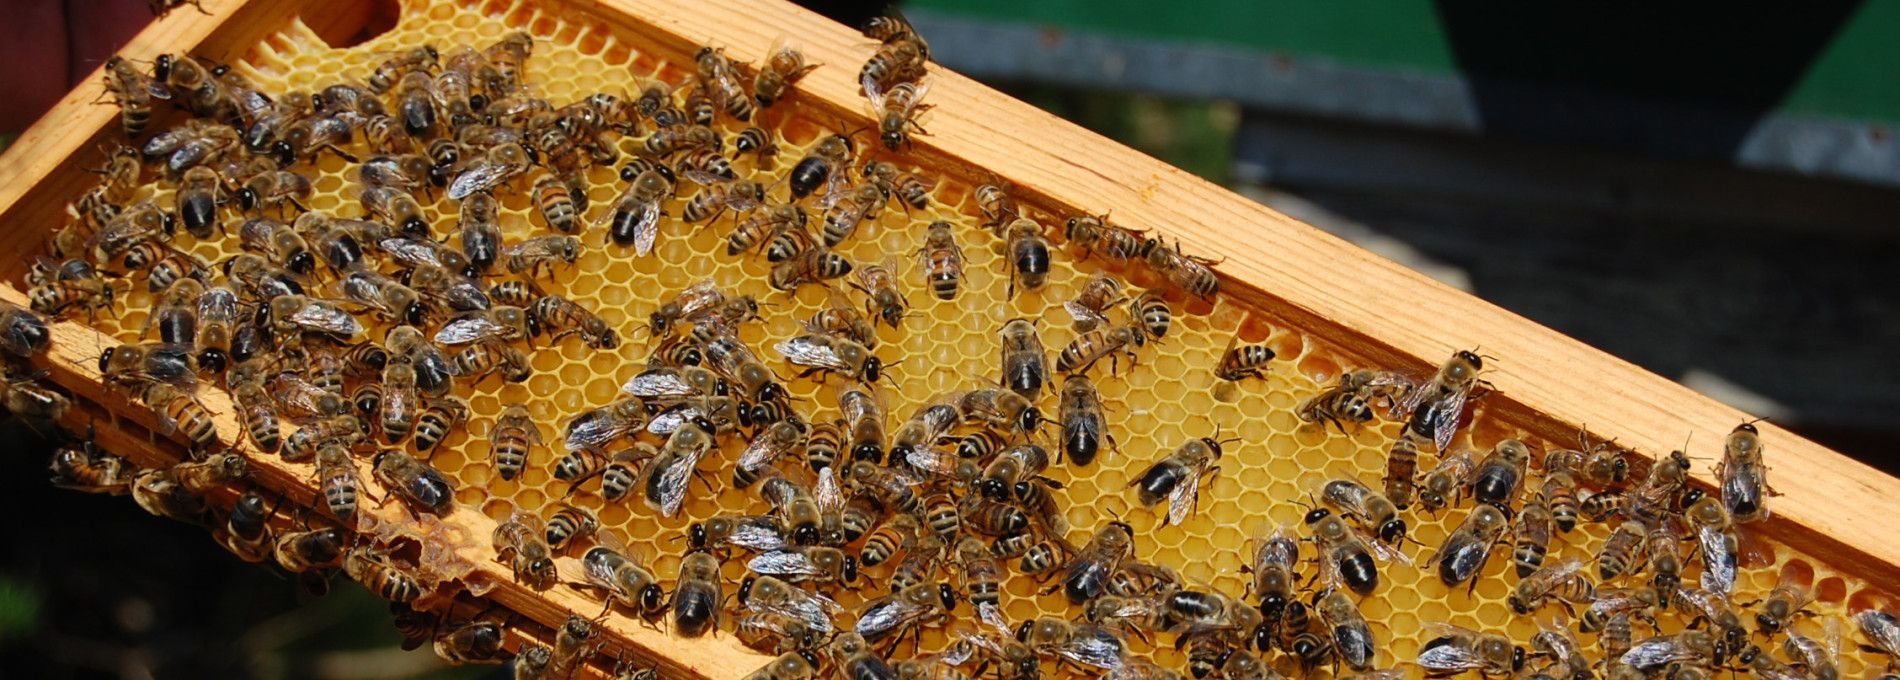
1713 194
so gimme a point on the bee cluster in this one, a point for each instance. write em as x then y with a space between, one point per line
409 333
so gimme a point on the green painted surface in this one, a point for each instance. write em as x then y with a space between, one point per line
1387 33
1852 76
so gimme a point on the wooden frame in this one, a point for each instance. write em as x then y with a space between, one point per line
1546 383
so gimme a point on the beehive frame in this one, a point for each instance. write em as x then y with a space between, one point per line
1360 306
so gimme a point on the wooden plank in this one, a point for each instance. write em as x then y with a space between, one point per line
1547 383
72 362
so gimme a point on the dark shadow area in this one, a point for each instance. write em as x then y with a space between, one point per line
1679 78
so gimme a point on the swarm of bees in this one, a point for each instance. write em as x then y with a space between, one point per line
350 341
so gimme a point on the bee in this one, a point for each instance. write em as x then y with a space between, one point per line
540 253
1603 464
302 445
86 468
1500 476
1565 582
337 480
1352 638
564 317
505 59
309 550
438 420
767 446
408 171
1880 628
1239 362
764 224
1532 529
664 480
1090 347
22 333
1083 425
413 481
932 421
1374 510
1178 477
519 543
817 167
1437 407
1456 650
139 223
1744 478
709 167
1449 480
273 190
627 581
999 408
893 615
499 323
556 204
1621 550
1656 653
784 66
134 92
721 194
942 260
260 420
400 403
489 356
595 428
495 167
901 57
1190 273
1274 566
618 478
896 111
1559 492
474 642
1468 548
1354 398
1087 572
893 488
1090 307
54 298
758 141
992 517
1081 644
24 397
1713 608
1028 255
1095 235
570 523
772 596
480 228
852 209
911 190
1345 555
246 533
393 69
1716 543
277 241
833 354
813 265
894 537
696 597
200 192
394 206
1789 598
635 218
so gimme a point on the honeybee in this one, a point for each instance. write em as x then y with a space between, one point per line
1088 571
309 550
1789 598
409 171
200 192
593 429
635 217
541 253
1239 362
1716 543
813 265
393 69
89 291
1468 548
784 66
1346 556
86 468
245 532
499 323
1351 637
1378 514
337 480
833 354
1456 650
1028 255
1656 653
1112 342
1880 628
564 317
1094 234
1532 529
1449 480
440 418
273 190
626 580
893 615
25 398
134 92
473 642
413 481
896 111
1354 398
134 365
1437 407
394 206
766 447
901 57
817 167
570 523
696 596
998 408
1083 424
815 564
1565 582
758 141
1621 550
850 210
772 595
721 194
519 543
911 190
757 227
1500 476
22 333
495 167
942 260
1744 478
665 478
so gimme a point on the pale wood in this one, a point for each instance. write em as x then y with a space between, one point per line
1833 507
73 363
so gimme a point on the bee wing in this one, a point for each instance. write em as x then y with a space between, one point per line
666 423
1083 313
703 178
916 104
1718 560
1182 499
992 616
760 452
1385 552
812 609
937 462
1094 647
646 228
467 329
1655 653
482 175
885 615
742 201
783 563
1880 628
657 383
1445 418
757 538
828 494
590 433
1448 658
810 351
871 91
327 319
959 654
673 480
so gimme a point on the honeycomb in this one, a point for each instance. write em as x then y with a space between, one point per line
1170 397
